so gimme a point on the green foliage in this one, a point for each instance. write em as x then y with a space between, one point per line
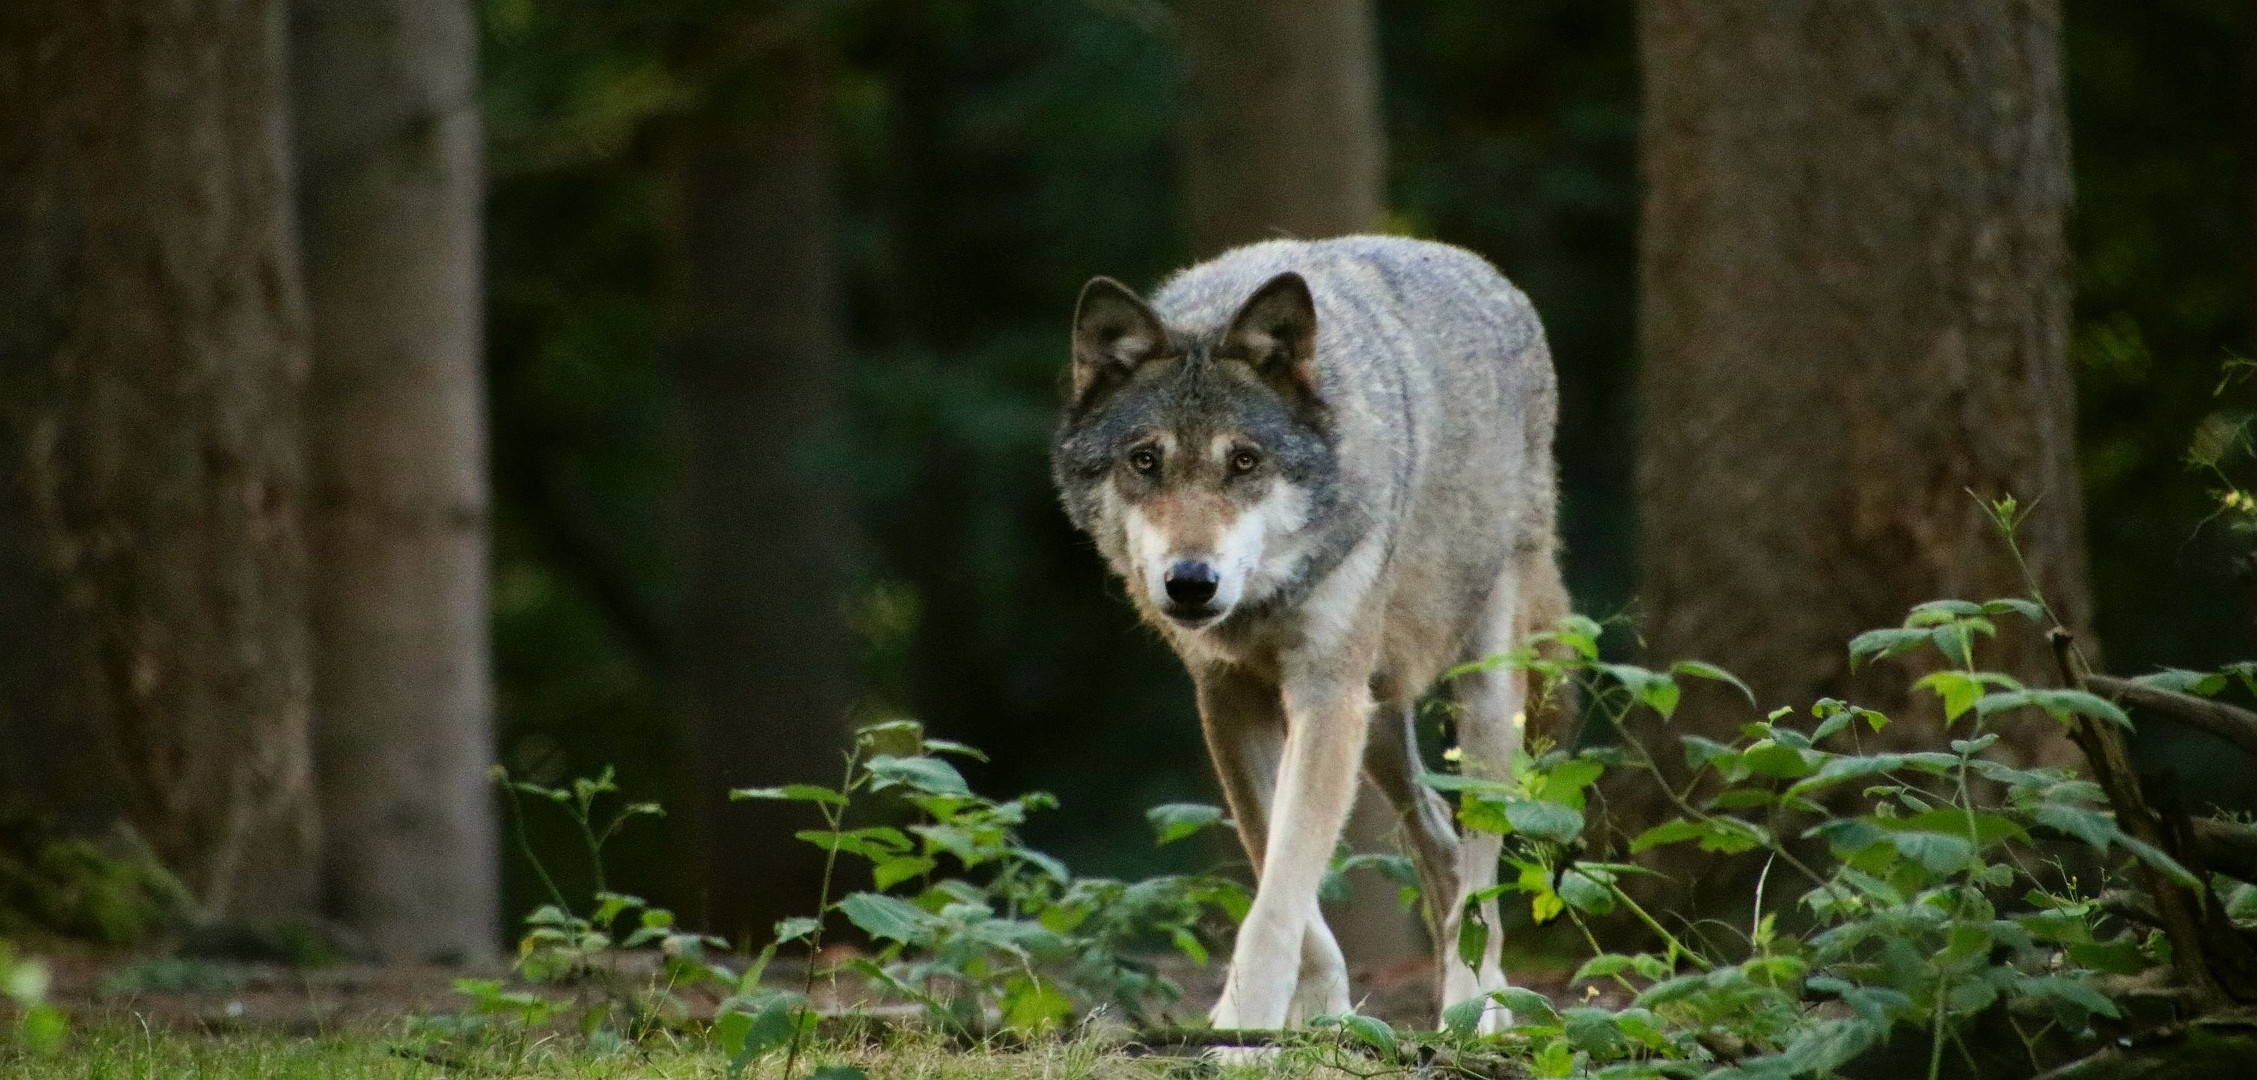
612 972
972 924
1939 900
38 1026
109 892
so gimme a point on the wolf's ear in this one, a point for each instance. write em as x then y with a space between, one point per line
1276 332
1114 331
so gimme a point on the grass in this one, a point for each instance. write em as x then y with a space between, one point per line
125 1053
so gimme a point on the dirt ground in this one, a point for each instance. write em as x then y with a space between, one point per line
233 996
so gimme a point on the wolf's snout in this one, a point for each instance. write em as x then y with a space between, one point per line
1192 583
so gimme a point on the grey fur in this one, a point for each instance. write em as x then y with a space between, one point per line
1422 457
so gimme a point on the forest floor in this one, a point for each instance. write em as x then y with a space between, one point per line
262 1021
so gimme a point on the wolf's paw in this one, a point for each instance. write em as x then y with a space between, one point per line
1241 1057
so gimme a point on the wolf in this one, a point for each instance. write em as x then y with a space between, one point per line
1323 469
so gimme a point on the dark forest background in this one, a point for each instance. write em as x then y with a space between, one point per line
996 153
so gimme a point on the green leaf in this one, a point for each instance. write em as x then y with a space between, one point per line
815 793
1767 758
1941 853
1174 821
1859 766
1881 644
2074 993
745 1037
42 1028
2155 857
1701 669
1544 820
891 872
1473 937
2027 609
1570 777
1602 966
1372 1032
1461 1018
887 917
793 929
2091 826
930 775
1940 612
1034 1005
1668 832
1652 688
1586 890
2199 683
2118 957
1524 1002
1958 689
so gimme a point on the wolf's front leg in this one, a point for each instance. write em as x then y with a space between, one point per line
1316 785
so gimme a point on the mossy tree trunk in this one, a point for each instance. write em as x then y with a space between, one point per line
154 661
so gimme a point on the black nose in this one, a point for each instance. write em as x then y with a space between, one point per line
1192 583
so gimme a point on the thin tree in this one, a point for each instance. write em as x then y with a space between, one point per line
389 188
765 529
1855 301
154 663
1283 138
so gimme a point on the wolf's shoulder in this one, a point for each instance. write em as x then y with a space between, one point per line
1357 269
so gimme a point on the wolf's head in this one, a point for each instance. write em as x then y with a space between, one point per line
1200 459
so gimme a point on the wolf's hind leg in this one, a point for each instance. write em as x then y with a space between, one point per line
1243 720
1489 730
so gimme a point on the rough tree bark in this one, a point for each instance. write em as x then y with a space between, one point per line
1855 302
153 646
389 188
761 365
1282 125
1283 138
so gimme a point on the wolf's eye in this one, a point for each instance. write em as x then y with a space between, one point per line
1144 460
1243 462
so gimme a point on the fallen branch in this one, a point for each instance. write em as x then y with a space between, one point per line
2228 847
2232 723
2208 954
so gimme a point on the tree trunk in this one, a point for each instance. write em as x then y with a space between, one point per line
1855 307
765 526
1283 128
389 188
1283 139
154 663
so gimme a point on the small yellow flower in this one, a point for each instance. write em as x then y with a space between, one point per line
1520 720
1453 755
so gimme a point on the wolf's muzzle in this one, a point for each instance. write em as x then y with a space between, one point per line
1191 586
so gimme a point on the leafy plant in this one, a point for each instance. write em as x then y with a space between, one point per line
1931 901
981 930
613 971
